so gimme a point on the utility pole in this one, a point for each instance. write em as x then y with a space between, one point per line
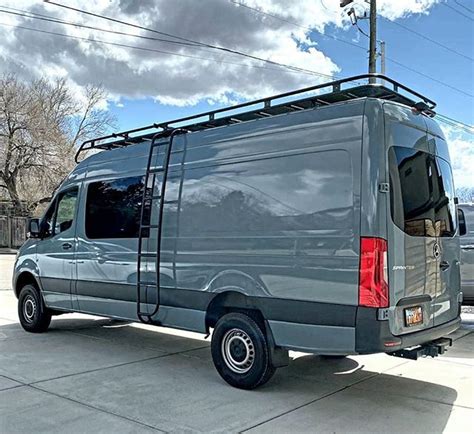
373 32
373 38
382 57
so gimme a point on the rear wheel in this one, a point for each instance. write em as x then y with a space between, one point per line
33 314
332 357
240 351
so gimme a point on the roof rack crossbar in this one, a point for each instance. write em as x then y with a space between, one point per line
213 119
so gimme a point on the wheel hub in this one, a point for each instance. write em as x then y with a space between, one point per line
238 351
29 308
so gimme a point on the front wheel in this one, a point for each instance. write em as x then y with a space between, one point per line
240 352
33 314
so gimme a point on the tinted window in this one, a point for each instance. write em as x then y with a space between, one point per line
60 214
113 208
47 220
422 193
65 212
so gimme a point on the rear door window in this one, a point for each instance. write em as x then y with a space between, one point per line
421 193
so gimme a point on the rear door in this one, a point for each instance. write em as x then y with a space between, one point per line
411 239
423 266
446 251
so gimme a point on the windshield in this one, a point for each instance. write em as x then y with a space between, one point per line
421 193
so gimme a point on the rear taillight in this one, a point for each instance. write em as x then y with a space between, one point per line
373 285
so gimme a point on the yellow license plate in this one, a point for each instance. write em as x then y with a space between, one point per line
413 316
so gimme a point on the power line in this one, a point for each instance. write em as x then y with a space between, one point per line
453 122
36 16
429 77
457 11
421 35
358 46
455 125
116 44
284 20
464 7
215 47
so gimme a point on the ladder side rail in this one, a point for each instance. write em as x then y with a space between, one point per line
178 210
173 134
140 233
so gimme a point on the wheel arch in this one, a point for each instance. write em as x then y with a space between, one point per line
25 278
232 301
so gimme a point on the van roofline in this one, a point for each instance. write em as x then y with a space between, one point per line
207 120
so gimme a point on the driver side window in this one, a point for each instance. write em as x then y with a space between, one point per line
60 215
65 211
47 220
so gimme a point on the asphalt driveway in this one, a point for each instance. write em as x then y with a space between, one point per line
90 374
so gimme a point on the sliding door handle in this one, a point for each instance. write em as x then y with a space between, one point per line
67 246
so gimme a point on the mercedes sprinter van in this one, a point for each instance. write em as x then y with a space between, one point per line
322 220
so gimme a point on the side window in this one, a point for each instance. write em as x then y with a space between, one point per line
48 218
113 208
65 211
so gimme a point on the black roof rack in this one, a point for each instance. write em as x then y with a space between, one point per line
377 87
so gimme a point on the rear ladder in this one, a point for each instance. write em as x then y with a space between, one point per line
148 199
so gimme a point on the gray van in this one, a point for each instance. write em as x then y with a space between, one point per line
467 256
322 220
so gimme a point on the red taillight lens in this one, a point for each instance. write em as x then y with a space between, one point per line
373 286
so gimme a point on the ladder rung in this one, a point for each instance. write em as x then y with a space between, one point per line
150 226
142 282
147 255
156 197
170 202
157 170
155 144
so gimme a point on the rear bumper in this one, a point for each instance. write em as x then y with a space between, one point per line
373 336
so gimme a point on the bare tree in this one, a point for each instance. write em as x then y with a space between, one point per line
41 123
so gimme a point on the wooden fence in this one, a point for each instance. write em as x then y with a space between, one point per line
13 231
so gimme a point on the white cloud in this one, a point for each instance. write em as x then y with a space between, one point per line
171 79
461 151
393 9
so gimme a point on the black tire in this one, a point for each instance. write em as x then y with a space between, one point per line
33 314
240 352
332 357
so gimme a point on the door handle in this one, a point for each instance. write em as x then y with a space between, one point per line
444 265
67 246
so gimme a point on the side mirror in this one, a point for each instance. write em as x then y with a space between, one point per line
34 228
462 222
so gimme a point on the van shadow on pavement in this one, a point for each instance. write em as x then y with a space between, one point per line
167 381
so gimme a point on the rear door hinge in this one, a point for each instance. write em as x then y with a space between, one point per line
384 187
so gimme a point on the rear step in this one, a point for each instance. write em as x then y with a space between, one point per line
433 349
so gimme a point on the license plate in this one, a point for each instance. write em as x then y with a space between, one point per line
413 316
